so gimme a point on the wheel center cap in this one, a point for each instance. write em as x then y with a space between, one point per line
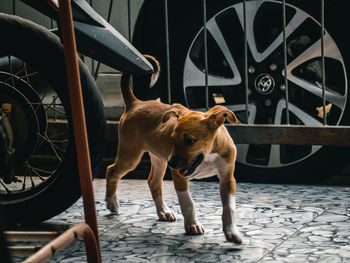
264 84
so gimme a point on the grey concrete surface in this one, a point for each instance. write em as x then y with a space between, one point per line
279 223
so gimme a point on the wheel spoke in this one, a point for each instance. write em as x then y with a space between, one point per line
53 102
54 108
305 118
316 89
242 149
52 145
25 72
274 159
27 75
11 71
314 51
5 187
252 8
275 156
37 170
242 107
194 77
27 170
215 31
34 99
49 106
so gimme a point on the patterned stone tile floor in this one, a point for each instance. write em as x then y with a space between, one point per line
279 223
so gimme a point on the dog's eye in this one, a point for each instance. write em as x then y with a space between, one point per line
189 141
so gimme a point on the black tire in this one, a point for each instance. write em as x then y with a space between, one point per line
186 21
42 50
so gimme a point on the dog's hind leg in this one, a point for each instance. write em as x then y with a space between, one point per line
155 183
125 162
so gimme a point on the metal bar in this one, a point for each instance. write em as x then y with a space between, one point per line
291 134
285 59
110 10
242 133
69 236
272 134
92 60
78 116
129 21
14 236
205 53
245 61
323 66
167 50
108 19
14 7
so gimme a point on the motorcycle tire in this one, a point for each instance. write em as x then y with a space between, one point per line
42 50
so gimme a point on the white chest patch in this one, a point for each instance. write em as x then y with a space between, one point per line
212 165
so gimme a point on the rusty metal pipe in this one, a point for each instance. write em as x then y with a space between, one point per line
78 116
69 236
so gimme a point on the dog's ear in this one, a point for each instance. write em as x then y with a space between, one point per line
169 114
176 111
217 115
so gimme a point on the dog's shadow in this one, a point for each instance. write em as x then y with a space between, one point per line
152 239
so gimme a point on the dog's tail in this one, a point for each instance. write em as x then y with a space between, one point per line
127 94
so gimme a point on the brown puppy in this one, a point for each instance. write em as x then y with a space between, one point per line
192 143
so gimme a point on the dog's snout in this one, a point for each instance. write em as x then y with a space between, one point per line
174 162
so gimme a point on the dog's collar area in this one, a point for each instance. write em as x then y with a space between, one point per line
184 172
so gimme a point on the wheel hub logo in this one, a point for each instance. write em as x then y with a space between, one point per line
264 84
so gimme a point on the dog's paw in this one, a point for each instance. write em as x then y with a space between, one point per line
194 229
112 203
233 235
166 216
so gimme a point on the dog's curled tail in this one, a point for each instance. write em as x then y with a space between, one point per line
127 94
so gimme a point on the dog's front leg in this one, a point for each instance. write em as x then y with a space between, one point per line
228 192
192 226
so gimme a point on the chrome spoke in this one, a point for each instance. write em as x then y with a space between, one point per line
27 75
5 187
11 71
52 145
53 107
19 77
53 102
26 72
37 170
27 170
